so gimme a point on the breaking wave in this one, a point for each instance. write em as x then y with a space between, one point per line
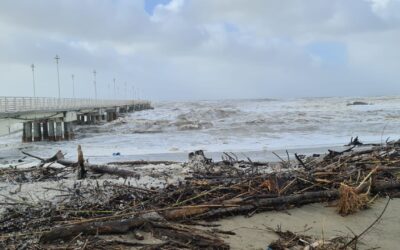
230 125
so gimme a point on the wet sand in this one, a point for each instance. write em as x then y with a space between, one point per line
10 156
325 223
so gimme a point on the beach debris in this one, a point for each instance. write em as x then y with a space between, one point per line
350 200
355 142
81 164
292 241
58 156
88 211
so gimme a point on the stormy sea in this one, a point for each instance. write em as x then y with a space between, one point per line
249 128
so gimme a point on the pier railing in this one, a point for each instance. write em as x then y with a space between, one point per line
26 104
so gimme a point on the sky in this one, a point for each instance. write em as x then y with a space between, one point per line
200 49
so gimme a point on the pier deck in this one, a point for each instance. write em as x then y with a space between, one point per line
53 118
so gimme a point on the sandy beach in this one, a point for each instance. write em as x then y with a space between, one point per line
319 220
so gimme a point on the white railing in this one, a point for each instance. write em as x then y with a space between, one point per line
28 104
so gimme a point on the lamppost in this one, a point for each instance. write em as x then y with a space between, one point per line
73 85
126 91
133 96
115 90
95 85
33 80
58 76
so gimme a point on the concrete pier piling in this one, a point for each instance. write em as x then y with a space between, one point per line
110 116
88 119
59 131
68 131
27 132
45 131
37 131
71 131
24 139
51 130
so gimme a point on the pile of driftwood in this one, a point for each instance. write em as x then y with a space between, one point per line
89 213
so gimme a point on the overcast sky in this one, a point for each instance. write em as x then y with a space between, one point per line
201 49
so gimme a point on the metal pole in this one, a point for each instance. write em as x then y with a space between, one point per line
126 91
33 80
133 96
58 76
73 85
95 85
115 90
34 86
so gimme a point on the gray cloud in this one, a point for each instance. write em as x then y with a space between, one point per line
192 49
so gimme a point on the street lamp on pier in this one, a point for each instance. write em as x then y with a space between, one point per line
33 80
126 91
57 58
115 90
73 85
95 84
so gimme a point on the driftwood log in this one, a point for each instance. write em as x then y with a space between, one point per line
200 238
83 167
183 234
200 212
99 169
81 164
138 163
266 204
92 228
58 156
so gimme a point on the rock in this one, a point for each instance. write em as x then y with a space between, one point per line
357 103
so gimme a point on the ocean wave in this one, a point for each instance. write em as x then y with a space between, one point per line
208 114
183 124
242 119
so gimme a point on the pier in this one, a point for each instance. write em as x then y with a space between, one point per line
53 119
